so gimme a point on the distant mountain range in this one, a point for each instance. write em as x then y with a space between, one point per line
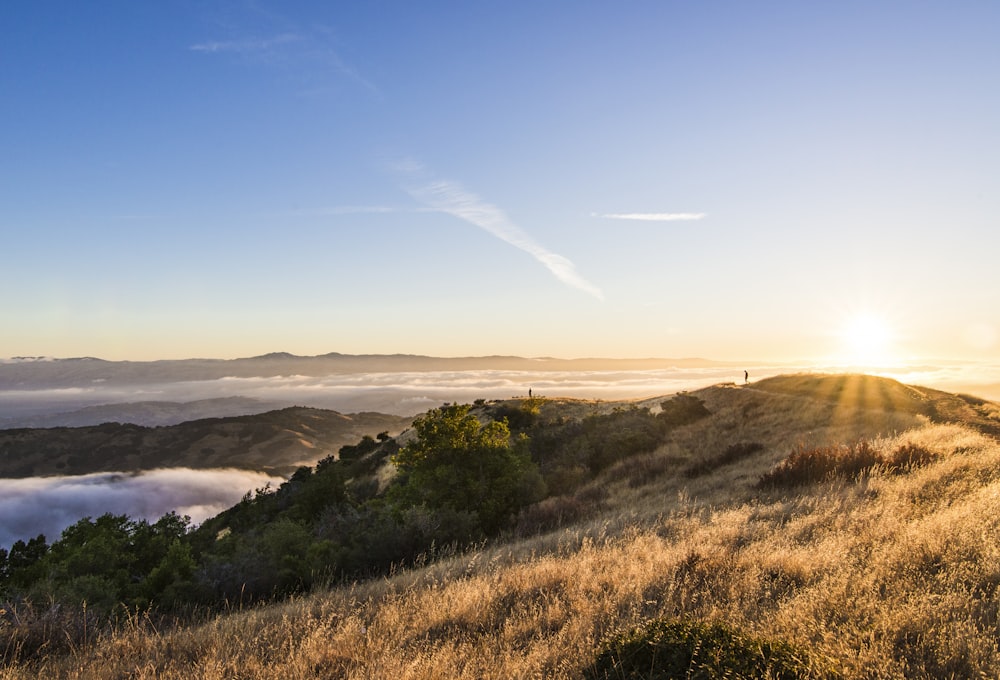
41 372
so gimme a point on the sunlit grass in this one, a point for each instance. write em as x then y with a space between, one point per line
888 574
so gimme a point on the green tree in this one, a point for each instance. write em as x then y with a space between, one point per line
457 463
23 564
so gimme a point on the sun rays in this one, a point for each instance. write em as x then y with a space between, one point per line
866 340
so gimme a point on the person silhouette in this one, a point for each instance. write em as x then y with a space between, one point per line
746 378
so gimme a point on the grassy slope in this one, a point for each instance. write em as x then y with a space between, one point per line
893 576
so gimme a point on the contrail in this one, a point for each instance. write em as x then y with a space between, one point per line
451 198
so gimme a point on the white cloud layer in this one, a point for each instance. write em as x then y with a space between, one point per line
408 393
50 504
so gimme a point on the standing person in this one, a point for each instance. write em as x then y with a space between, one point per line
746 378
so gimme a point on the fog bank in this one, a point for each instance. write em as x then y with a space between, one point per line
49 504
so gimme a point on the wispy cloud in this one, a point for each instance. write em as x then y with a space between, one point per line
651 217
349 210
301 48
246 46
449 197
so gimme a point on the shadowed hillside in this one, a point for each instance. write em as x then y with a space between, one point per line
800 527
148 413
277 441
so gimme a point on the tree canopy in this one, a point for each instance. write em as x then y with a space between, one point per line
457 463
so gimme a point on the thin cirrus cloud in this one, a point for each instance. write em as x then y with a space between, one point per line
303 49
246 46
652 217
451 198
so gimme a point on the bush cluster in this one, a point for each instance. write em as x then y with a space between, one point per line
571 454
810 465
665 649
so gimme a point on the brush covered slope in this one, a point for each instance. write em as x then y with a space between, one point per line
677 538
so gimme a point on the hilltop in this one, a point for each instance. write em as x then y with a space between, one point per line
814 526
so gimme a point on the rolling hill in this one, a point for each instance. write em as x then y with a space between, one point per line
149 413
710 551
276 442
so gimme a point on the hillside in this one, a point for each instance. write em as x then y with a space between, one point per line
149 413
816 526
276 441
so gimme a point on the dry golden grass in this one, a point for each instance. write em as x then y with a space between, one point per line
893 576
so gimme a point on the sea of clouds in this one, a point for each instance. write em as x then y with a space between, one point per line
398 393
47 505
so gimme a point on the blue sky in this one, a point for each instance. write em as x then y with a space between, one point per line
723 179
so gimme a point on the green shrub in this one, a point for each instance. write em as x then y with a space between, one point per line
682 409
666 649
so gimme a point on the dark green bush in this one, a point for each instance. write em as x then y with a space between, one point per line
666 649
682 409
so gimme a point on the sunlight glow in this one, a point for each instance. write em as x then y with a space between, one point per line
868 341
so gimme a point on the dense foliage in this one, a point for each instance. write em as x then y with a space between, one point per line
106 562
460 465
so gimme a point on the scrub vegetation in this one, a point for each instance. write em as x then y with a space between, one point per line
801 527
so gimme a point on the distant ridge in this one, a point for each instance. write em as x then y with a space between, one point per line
85 371
276 442
148 413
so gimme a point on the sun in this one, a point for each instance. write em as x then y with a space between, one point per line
868 340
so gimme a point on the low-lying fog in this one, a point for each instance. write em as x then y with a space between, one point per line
47 505
395 393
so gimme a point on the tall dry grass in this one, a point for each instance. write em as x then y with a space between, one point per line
893 575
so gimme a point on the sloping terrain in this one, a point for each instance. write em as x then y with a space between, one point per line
882 394
276 442
887 571
149 413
